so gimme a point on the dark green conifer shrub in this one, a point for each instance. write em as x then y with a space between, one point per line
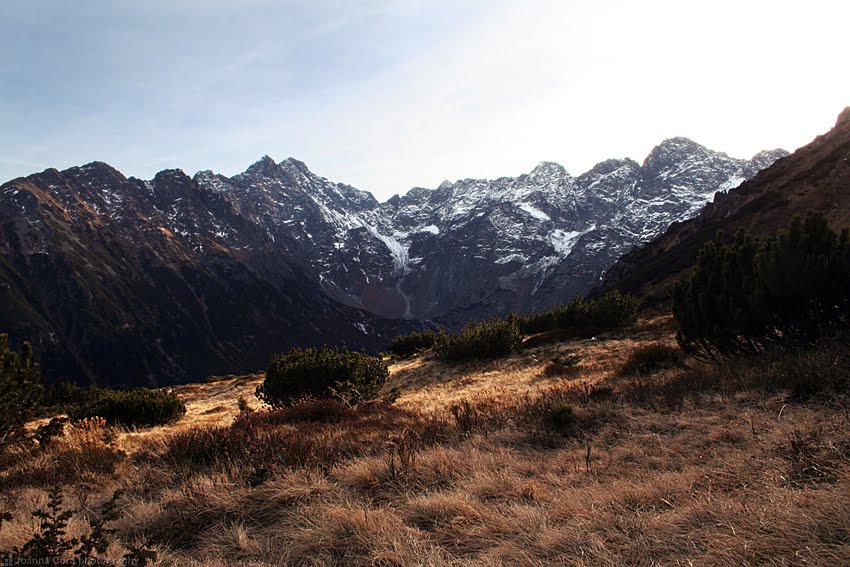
586 317
539 322
140 407
404 346
320 373
20 391
485 340
716 307
745 295
612 311
803 280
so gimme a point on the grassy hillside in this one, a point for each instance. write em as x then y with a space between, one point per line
539 458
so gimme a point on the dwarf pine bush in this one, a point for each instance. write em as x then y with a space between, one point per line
140 407
745 294
20 391
404 346
320 373
586 317
485 340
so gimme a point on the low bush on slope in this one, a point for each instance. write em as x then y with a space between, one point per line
499 337
139 407
321 373
586 317
404 346
480 341
746 295
20 391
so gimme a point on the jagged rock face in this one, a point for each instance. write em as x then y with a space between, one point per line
530 242
123 281
332 229
476 248
128 281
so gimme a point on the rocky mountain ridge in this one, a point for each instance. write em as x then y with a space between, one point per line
816 177
125 280
474 248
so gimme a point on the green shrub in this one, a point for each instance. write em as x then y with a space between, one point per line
404 346
649 359
716 308
486 340
20 391
586 317
141 407
612 311
539 322
320 373
803 279
745 295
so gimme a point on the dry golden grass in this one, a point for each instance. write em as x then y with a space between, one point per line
427 384
649 474
215 403
207 404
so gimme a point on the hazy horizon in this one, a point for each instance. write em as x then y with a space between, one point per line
388 95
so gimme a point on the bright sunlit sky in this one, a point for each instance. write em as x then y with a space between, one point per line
387 95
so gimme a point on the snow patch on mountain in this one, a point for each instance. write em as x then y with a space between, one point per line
563 241
512 258
730 183
534 212
397 250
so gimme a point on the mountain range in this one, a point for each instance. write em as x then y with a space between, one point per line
127 281
475 247
816 177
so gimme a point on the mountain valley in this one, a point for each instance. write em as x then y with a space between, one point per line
145 282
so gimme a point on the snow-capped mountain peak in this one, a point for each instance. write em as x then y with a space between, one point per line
547 169
469 248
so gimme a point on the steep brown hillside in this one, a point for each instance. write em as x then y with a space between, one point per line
814 178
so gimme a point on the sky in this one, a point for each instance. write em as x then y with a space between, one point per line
386 95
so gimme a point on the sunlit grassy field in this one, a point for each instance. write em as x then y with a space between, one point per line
523 461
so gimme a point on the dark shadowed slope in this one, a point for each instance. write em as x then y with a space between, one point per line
124 281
